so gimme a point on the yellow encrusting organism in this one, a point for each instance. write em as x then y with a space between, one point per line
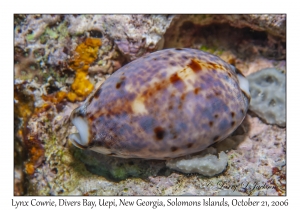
85 54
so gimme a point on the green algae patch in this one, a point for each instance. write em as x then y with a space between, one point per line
51 33
30 37
63 30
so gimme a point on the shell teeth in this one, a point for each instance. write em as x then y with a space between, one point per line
75 138
80 139
243 82
244 85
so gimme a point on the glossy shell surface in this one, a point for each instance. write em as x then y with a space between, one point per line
167 104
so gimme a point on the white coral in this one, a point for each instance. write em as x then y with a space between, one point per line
207 165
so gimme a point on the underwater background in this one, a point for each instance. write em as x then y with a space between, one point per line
59 60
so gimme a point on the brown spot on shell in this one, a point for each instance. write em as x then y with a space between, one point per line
216 116
159 86
159 133
92 118
195 66
232 123
216 138
173 149
97 94
232 114
175 78
196 90
211 123
214 66
242 111
189 145
118 85
182 97
217 93
121 82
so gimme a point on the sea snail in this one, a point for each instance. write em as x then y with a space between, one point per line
167 104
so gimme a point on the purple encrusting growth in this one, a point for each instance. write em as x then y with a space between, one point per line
167 104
